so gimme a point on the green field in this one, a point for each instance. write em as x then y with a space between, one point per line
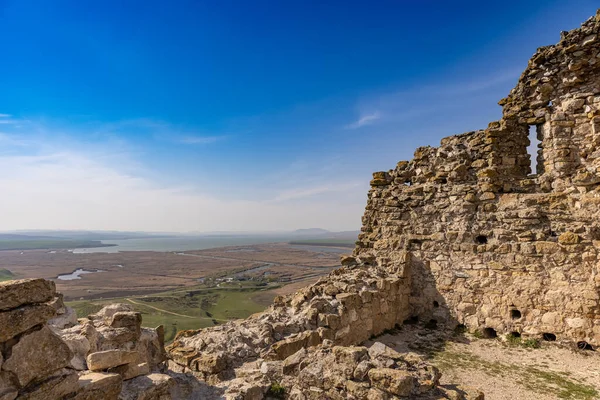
192 308
48 244
6 275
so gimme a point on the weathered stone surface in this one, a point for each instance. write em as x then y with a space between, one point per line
149 387
56 386
396 382
129 371
98 385
110 358
209 363
37 355
18 320
8 389
20 292
65 318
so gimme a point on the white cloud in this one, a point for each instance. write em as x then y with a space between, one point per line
5 115
367 119
70 187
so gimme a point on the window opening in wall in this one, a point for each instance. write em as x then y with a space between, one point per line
549 337
584 346
407 183
515 314
515 334
481 239
435 304
489 333
534 145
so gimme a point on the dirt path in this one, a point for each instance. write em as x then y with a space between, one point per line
161 310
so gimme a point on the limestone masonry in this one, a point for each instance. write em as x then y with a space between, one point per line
463 234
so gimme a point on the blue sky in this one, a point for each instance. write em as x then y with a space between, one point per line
242 115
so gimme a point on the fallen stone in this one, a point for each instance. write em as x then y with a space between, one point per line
19 320
290 364
127 319
97 385
148 387
209 363
20 292
129 371
379 349
36 355
393 381
102 360
56 386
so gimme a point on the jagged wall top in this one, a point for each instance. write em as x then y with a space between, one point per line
570 65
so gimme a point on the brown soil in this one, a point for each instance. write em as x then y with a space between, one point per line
146 272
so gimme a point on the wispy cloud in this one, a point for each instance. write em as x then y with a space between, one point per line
55 185
5 115
198 139
366 119
306 192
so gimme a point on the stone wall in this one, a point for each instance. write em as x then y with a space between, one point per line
501 249
45 353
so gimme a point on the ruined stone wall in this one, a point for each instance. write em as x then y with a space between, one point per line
491 245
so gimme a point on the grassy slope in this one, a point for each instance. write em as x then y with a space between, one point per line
6 275
202 308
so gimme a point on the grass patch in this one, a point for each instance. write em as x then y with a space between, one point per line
277 391
534 379
6 275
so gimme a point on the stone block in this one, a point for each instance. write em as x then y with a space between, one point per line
20 292
57 386
98 385
37 355
148 387
18 320
130 371
393 381
102 360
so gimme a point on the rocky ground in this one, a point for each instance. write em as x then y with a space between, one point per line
504 369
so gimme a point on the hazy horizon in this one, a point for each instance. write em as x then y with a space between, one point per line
257 116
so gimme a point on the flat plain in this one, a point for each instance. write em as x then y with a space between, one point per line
180 290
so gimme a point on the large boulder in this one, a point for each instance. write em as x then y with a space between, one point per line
37 355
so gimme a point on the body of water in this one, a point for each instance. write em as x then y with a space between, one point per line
186 243
76 274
